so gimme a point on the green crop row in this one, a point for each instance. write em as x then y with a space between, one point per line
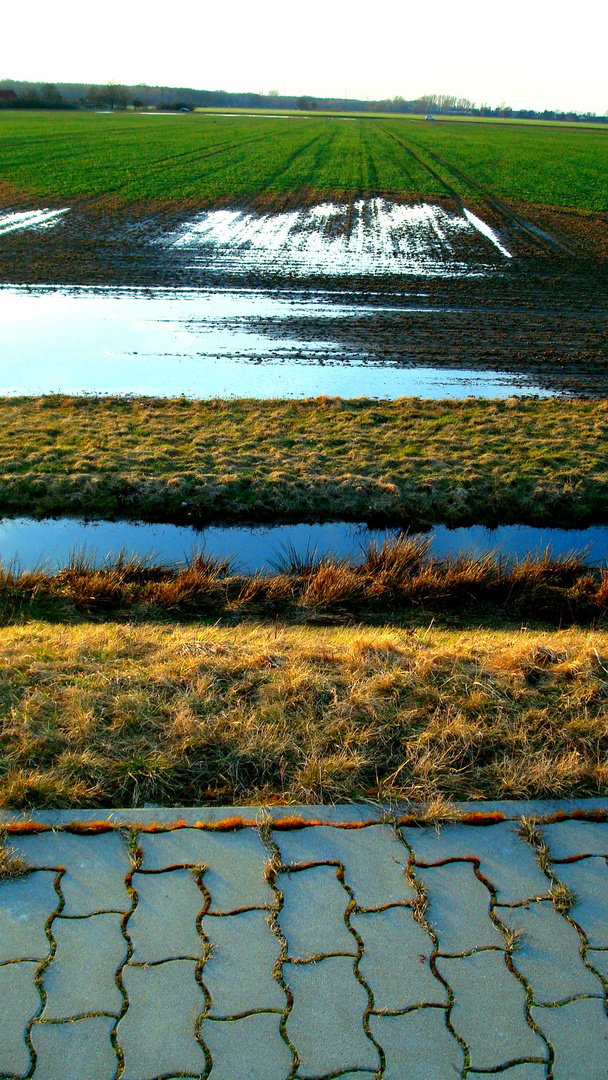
206 158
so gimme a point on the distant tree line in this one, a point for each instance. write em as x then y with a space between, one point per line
30 95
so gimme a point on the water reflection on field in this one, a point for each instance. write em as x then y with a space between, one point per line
51 543
218 343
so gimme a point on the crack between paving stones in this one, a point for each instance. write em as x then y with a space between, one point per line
43 965
135 855
510 946
531 835
199 872
350 908
419 910
473 819
408 1009
275 866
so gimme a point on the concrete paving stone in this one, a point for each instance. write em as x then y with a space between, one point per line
327 814
418 1046
374 859
506 860
235 860
312 916
395 961
238 974
95 866
578 1033
163 925
588 879
25 905
79 1051
489 1010
599 959
248 1049
326 1022
81 977
19 1003
548 955
157 1031
459 908
569 838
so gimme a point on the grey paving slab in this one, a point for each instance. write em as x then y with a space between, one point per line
395 961
163 925
19 1003
489 1010
326 813
25 905
251 1048
505 859
81 977
374 860
326 1022
157 1032
548 953
570 838
588 880
312 916
95 867
235 863
239 972
578 1033
599 959
81 1050
418 1046
459 908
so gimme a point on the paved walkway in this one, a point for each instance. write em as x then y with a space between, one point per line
355 947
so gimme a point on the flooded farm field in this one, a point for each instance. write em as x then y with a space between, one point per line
52 543
222 343
367 298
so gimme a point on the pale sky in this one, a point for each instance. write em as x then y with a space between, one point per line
526 53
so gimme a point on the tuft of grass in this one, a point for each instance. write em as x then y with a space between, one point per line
11 865
122 714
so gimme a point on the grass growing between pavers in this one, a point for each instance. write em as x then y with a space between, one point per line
416 461
11 864
109 715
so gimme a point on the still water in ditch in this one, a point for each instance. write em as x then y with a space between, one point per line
51 543
214 344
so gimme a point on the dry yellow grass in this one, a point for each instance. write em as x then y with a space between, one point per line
102 715
11 864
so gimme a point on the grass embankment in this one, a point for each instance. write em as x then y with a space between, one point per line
202 159
412 461
115 716
397 579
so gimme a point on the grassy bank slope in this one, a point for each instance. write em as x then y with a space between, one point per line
114 716
410 461
203 159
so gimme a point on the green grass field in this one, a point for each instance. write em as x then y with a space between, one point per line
536 462
202 158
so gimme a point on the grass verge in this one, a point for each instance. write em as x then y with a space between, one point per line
398 577
109 715
413 461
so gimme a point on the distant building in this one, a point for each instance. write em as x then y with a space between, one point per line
7 96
